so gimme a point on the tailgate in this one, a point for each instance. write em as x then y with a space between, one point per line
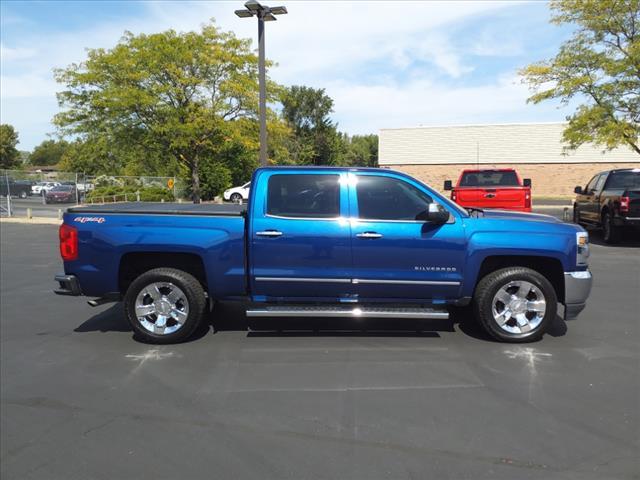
634 203
502 197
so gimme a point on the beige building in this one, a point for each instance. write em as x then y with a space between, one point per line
435 154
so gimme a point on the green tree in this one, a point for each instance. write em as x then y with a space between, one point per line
600 66
23 157
49 152
362 151
181 93
9 155
315 137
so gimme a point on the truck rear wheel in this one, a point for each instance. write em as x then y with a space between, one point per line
164 305
515 304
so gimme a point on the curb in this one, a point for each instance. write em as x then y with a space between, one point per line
550 207
31 221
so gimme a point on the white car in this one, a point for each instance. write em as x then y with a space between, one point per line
237 194
39 187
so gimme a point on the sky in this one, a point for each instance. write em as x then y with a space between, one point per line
386 64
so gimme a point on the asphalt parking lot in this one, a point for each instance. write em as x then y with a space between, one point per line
81 399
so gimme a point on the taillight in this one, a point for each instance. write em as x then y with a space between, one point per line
68 242
624 204
527 200
453 196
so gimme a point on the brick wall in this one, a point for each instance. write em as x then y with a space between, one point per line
547 179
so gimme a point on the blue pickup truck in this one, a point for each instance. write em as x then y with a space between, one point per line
334 242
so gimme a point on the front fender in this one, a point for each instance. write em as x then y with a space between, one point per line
500 244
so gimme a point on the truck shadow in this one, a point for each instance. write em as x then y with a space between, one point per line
629 241
230 316
470 327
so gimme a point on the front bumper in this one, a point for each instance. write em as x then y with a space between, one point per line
69 285
577 286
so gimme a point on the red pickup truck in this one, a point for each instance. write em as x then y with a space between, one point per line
496 188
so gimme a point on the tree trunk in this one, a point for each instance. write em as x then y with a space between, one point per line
195 181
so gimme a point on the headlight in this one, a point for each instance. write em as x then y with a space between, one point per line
582 242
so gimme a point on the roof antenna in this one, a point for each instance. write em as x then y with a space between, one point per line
477 155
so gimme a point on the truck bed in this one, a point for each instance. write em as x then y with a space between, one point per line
159 208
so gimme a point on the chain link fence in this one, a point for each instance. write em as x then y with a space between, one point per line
23 192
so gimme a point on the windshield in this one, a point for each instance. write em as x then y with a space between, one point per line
489 178
62 188
626 180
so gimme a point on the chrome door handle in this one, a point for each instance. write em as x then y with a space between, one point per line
269 233
369 235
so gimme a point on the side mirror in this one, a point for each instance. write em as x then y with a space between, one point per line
447 185
527 182
578 190
435 214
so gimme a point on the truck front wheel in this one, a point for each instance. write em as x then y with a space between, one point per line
515 304
164 305
610 232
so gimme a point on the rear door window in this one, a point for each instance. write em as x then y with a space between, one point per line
304 196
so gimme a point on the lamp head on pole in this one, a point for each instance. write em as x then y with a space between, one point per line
254 8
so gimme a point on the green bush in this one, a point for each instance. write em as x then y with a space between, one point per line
147 194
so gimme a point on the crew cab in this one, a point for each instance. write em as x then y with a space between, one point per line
611 201
14 188
321 241
492 188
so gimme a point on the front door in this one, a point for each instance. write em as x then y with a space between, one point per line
396 255
587 202
300 238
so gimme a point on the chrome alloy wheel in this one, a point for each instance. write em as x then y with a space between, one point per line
162 308
518 307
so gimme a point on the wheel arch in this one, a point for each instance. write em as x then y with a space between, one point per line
551 268
134 264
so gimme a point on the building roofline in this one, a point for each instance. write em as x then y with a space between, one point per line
473 125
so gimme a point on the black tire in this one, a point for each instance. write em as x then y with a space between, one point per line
610 232
194 294
488 287
23 194
236 198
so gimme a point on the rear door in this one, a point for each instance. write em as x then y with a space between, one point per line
396 256
300 240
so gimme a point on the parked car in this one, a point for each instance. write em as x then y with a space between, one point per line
61 194
237 194
16 188
41 187
336 242
611 201
492 188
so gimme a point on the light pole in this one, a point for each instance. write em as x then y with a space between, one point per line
264 14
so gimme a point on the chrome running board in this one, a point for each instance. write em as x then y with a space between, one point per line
348 312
